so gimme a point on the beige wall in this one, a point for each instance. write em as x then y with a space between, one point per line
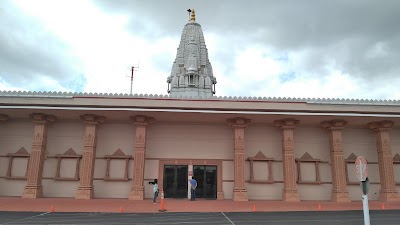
361 142
266 139
395 143
111 189
62 136
12 187
313 140
264 191
110 138
13 136
189 141
150 173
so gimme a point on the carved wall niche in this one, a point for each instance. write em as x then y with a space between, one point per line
308 159
21 155
68 155
118 155
350 161
396 168
261 158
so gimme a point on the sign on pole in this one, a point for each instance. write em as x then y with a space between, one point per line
361 168
362 175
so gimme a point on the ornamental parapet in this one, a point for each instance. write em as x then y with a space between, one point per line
342 101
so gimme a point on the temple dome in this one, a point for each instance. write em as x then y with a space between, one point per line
191 73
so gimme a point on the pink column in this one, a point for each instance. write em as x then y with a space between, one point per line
86 189
287 126
239 189
34 188
338 166
388 190
137 189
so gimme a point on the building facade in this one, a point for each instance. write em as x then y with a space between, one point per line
86 146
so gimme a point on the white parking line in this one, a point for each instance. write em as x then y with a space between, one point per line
26 218
228 218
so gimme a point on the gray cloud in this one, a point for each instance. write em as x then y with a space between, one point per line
30 54
358 37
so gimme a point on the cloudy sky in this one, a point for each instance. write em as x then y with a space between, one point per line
269 48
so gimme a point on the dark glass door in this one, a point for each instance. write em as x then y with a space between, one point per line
206 177
175 182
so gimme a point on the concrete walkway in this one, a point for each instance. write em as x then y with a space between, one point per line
178 205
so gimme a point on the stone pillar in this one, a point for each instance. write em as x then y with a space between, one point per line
287 126
388 190
137 189
338 165
34 188
86 189
239 189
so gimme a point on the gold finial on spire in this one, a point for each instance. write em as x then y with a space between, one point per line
193 16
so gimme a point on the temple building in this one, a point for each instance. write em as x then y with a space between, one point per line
85 146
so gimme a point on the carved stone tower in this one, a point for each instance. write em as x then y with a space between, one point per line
191 73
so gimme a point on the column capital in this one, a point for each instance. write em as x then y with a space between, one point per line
141 120
92 119
383 125
334 124
3 117
238 122
288 123
40 118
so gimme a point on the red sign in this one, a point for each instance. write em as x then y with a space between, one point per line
361 168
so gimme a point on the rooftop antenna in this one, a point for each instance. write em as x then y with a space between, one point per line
133 68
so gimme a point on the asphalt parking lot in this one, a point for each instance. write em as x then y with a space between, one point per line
390 217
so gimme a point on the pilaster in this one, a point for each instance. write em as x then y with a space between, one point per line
137 189
338 166
86 188
287 126
33 187
239 189
388 190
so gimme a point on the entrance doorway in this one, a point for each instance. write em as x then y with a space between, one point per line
175 183
206 177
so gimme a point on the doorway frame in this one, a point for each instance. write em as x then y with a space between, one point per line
185 182
204 172
187 162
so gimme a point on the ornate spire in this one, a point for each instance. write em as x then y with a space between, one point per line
191 73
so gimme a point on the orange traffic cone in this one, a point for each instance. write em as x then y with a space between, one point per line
254 208
52 209
162 207
383 206
121 210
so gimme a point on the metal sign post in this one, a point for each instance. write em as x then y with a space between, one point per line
362 175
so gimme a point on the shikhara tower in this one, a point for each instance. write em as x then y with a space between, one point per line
191 73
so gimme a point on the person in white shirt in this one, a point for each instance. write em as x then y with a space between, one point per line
155 190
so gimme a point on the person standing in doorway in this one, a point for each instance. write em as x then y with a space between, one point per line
193 186
155 190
